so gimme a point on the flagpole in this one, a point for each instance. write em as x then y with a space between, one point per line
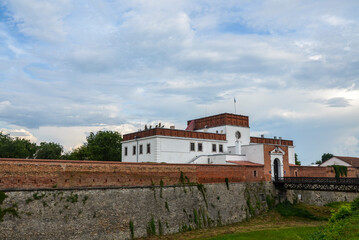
234 102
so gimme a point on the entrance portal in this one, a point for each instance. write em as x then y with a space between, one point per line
276 165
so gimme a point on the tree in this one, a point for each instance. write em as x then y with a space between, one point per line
49 151
326 156
80 153
16 148
104 146
297 162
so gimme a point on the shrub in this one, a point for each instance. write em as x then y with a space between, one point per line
342 213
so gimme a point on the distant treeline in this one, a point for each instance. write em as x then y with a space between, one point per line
101 146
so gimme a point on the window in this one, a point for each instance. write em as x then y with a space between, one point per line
220 147
192 146
141 149
262 198
148 150
126 150
255 173
200 147
296 173
134 150
214 148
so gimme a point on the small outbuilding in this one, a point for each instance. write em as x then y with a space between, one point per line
342 161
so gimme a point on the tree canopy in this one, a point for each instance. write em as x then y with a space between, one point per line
326 156
297 162
104 146
101 146
16 147
49 151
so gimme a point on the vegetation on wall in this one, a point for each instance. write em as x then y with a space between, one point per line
227 183
340 171
10 210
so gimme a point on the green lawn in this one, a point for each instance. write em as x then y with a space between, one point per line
275 234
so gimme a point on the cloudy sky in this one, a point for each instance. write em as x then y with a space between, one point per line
71 67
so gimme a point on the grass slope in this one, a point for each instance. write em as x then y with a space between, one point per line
271 223
274 234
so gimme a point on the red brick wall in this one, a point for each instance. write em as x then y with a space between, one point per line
218 173
22 173
308 171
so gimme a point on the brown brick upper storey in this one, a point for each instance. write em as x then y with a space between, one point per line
272 141
174 133
220 120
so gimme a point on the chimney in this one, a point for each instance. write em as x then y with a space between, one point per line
262 136
275 137
172 127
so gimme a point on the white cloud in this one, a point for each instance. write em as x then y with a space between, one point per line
20 133
348 146
69 65
40 19
336 21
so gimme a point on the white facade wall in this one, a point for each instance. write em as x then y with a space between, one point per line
231 135
291 155
219 159
254 153
169 149
137 157
334 161
278 156
230 132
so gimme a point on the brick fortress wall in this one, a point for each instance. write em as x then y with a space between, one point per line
313 171
37 174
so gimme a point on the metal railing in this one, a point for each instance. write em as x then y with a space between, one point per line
318 183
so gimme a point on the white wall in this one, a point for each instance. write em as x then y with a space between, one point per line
334 161
231 137
230 132
219 159
144 157
170 149
177 150
291 155
254 153
280 158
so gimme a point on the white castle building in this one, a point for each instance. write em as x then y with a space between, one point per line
218 139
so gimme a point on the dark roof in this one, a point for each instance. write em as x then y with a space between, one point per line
350 160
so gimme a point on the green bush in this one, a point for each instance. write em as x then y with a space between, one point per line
343 212
344 224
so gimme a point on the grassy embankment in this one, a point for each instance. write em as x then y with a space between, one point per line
286 221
